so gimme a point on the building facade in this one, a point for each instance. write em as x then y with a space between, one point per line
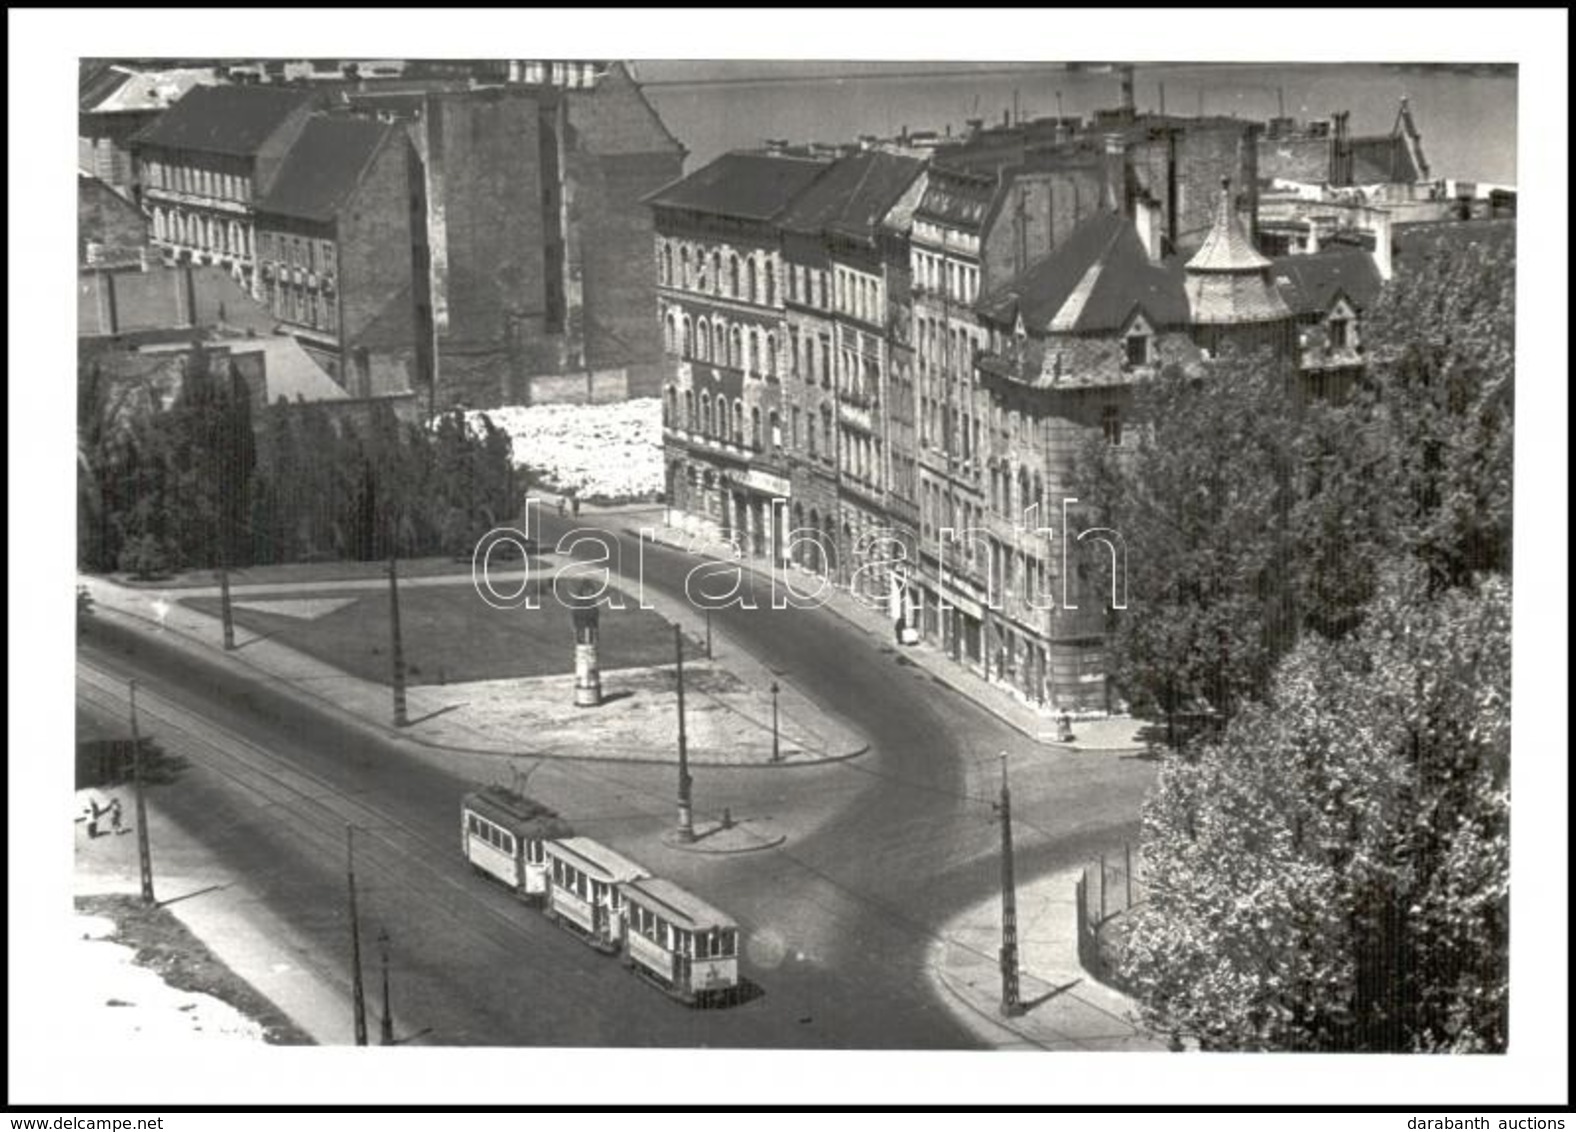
204 163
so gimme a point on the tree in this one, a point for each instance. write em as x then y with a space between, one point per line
1333 873
1206 503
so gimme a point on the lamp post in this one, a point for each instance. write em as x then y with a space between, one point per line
686 819
777 753
386 1028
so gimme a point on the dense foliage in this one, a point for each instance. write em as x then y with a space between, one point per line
1331 578
200 484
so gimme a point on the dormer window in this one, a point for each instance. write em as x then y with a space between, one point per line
1340 333
1136 347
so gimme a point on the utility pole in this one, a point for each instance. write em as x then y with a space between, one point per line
1010 1004
686 818
777 751
144 853
358 992
386 1035
226 617
396 648
708 633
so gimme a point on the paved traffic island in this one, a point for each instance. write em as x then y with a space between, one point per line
485 681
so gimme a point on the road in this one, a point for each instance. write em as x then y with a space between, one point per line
885 848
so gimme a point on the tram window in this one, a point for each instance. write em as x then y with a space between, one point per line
730 942
703 946
508 844
470 824
580 886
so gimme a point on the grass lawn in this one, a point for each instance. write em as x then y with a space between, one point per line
449 634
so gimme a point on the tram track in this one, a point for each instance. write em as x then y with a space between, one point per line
391 855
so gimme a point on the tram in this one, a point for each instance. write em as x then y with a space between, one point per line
503 834
683 944
585 880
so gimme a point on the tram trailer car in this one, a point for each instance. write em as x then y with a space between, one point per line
676 939
503 832
584 889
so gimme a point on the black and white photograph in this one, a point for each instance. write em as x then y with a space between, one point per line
752 551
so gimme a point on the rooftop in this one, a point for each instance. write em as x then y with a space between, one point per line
1310 283
854 194
593 856
743 184
678 903
235 120
1092 282
122 90
324 166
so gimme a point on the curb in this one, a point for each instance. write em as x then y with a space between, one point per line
843 616
205 653
695 847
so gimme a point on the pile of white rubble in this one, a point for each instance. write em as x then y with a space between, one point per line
612 451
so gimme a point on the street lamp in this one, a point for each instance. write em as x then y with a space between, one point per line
387 1028
777 753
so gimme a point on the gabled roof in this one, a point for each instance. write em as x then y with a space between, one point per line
853 195
1310 283
323 167
742 184
1092 282
616 117
235 120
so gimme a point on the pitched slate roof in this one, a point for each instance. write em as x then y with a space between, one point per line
1309 283
324 166
1091 283
234 120
854 194
742 184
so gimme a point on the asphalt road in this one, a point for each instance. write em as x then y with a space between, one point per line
883 849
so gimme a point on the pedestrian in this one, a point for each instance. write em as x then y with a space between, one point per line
562 507
114 815
95 812
574 504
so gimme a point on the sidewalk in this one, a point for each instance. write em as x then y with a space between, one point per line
1118 734
1066 1008
217 908
728 708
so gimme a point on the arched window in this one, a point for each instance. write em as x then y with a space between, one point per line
755 351
755 427
735 348
1023 489
671 333
771 284
738 422
750 278
158 224
689 409
719 351
774 426
670 417
667 264
734 288
771 355
689 336
702 340
684 267
716 272
705 415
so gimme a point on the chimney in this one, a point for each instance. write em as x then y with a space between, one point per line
1381 227
1147 219
1114 173
975 125
1127 89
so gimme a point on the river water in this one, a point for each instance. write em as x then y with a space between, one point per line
1468 121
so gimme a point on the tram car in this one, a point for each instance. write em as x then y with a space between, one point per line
677 940
503 834
585 880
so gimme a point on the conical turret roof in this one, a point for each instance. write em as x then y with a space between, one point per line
1227 247
1228 281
